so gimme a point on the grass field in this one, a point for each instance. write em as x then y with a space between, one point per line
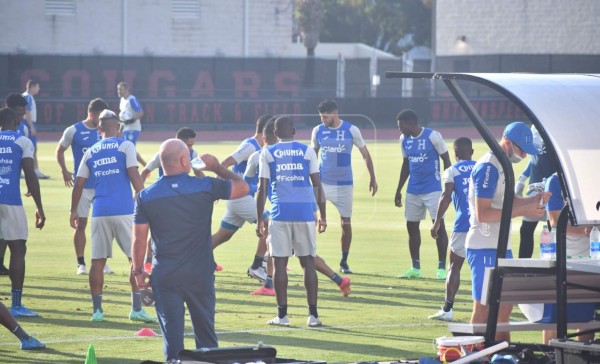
384 318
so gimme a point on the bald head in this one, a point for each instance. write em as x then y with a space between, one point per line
174 157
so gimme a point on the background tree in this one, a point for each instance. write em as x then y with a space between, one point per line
309 15
378 23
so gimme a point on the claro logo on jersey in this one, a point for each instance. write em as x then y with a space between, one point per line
331 149
105 161
288 153
418 158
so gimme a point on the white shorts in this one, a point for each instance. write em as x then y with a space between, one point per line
105 229
415 206
13 223
287 238
85 203
238 212
341 197
457 243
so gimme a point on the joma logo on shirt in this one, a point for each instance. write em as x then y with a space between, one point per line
5 150
104 161
289 167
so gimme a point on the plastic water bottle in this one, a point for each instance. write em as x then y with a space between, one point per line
595 243
197 164
548 244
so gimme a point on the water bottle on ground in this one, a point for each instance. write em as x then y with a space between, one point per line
595 243
548 243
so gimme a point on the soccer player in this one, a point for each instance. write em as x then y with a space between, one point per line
80 137
17 103
292 170
335 139
540 167
188 136
33 88
422 149
130 115
28 342
16 154
243 209
321 266
113 164
486 195
456 189
178 210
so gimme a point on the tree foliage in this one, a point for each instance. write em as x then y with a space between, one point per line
378 23
309 15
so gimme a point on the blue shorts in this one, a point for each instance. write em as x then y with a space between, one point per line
479 259
131 135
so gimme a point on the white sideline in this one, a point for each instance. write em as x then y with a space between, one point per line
221 333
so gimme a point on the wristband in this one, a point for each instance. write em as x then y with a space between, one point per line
137 272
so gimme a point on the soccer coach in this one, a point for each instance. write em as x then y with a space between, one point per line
178 210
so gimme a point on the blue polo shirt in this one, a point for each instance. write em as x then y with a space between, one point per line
179 210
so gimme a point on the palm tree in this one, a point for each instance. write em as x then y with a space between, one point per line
309 14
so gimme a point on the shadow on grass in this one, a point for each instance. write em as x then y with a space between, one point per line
360 348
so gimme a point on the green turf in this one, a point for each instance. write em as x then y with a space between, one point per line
384 318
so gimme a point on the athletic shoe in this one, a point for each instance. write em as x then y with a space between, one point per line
148 267
218 267
22 311
4 271
258 273
412 273
81 269
98 316
313 321
441 315
441 274
345 269
345 286
279 321
40 175
107 269
263 291
31 344
141 316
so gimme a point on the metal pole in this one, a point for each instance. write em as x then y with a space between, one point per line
341 72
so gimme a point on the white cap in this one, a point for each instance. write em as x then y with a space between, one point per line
108 114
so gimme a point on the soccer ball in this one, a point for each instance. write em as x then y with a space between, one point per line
125 115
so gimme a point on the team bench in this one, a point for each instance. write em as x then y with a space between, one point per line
534 281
